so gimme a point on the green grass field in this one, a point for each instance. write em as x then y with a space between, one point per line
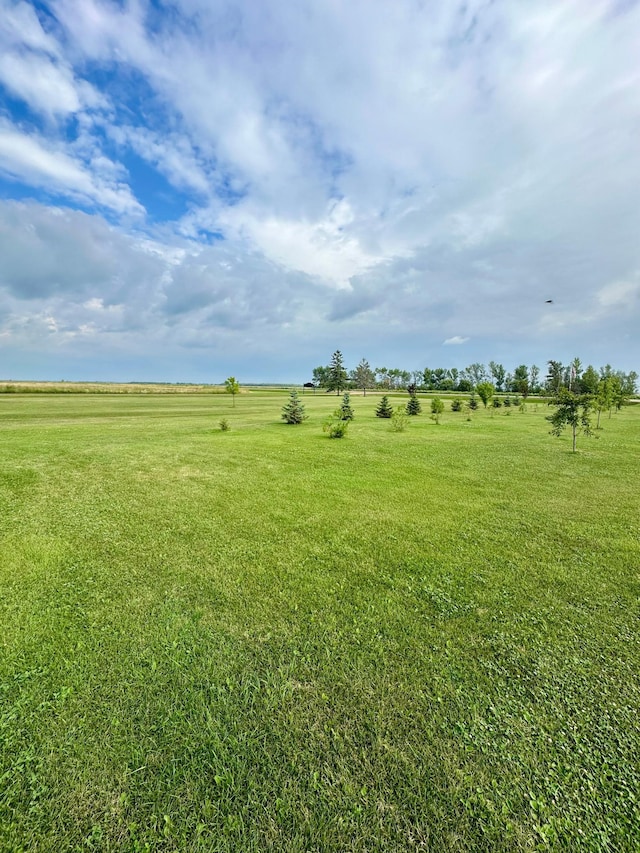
267 640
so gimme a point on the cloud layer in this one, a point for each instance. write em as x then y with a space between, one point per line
266 183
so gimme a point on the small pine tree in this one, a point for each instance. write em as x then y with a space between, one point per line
384 409
293 412
413 406
346 412
473 402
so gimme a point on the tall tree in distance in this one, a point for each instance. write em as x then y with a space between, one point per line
476 372
554 376
575 369
534 376
498 374
320 376
337 378
520 381
232 386
589 380
363 377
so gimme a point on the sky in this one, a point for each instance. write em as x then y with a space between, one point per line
191 189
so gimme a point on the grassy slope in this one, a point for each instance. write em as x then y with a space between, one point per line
264 639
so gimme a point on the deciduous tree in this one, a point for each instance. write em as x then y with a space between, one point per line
498 374
485 392
572 410
437 408
232 386
320 376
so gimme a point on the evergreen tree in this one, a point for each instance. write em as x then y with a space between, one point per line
363 377
337 378
384 409
413 406
346 412
293 412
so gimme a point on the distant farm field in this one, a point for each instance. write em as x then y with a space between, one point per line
264 639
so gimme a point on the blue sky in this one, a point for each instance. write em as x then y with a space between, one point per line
199 188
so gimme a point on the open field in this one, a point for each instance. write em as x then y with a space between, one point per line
15 387
266 640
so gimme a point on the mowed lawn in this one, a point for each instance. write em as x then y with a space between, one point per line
268 640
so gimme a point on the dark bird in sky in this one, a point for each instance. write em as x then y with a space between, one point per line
549 302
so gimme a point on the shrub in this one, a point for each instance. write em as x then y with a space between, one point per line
456 404
473 402
225 426
335 426
399 419
413 406
384 409
293 411
497 404
507 402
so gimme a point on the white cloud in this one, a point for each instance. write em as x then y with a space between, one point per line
439 166
33 68
322 248
171 153
49 88
19 24
620 294
31 160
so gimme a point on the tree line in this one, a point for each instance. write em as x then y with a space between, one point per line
523 379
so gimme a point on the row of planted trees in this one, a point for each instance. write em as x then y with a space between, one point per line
522 380
572 408
293 412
